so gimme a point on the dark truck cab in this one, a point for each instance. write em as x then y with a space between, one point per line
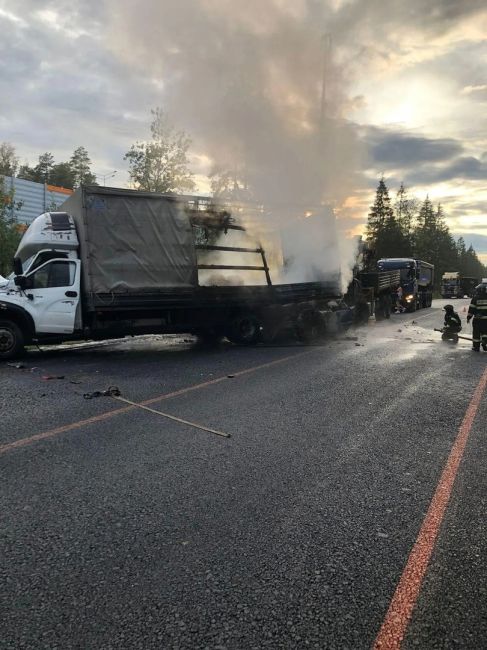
416 280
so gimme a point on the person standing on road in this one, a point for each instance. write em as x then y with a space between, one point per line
399 306
478 311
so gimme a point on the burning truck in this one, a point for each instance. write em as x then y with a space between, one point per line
121 262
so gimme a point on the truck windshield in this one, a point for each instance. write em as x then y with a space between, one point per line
407 275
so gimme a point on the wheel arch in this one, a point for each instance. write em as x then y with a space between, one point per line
20 317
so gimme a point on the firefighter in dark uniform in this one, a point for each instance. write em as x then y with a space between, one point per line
452 325
478 311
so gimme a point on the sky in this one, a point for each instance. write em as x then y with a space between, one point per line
314 99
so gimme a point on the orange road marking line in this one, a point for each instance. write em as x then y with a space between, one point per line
406 595
23 442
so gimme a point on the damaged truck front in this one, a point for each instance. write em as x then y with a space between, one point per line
120 262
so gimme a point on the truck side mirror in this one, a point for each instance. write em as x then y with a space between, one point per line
20 281
18 270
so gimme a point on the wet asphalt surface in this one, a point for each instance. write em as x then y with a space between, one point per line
133 531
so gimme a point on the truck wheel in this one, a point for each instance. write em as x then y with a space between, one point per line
412 306
245 330
309 326
11 340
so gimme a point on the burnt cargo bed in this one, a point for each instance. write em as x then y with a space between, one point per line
202 297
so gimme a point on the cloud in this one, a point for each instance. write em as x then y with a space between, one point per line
465 168
402 149
479 242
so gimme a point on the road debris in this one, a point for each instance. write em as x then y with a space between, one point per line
114 393
49 377
18 366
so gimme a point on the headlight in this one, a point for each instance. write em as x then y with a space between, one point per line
409 298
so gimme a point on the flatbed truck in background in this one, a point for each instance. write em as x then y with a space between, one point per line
416 279
455 285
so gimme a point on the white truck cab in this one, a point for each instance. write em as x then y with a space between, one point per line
42 296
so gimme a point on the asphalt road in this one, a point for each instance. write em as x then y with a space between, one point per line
120 528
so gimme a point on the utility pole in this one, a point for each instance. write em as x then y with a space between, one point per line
105 176
326 39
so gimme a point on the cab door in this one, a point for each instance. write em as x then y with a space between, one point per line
54 290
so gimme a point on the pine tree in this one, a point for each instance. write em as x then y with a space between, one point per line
62 175
80 166
380 212
405 209
385 235
44 167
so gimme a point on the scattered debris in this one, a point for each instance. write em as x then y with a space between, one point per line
111 391
19 366
414 322
359 345
231 376
73 381
399 330
48 377
350 338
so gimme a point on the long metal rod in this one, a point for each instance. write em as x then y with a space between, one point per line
231 249
171 417
465 338
216 226
231 267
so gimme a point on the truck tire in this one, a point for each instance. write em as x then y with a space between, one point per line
309 326
383 308
412 306
244 330
11 340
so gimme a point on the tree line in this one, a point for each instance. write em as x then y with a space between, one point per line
407 227
403 227
69 174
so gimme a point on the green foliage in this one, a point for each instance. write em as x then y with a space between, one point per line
8 160
161 165
62 175
10 232
69 174
228 185
384 231
420 231
469 264
80 166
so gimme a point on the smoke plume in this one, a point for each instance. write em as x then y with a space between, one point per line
256 86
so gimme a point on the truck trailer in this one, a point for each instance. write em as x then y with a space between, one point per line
454 285
118 263
417 279
371 293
